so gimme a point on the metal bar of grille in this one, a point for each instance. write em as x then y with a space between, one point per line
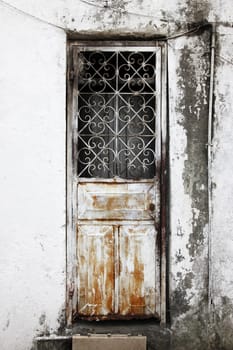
117 104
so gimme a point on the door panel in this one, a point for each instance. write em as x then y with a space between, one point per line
139 270
118 201
95 270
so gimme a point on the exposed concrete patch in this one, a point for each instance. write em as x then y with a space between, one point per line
44 329
223 324
190 331
189 283
180 299
61 330
194 81
194 11
111 12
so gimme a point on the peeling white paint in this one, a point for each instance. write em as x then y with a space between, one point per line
181 212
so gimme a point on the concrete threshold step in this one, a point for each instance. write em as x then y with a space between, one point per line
92 342
108 342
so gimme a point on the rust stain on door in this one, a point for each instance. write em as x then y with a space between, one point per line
138 270
95 270
104 290
119 201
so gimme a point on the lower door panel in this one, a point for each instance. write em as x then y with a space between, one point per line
95 270
117 271
139 271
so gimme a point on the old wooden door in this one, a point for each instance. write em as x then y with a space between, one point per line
115 103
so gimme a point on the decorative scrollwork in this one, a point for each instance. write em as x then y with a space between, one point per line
116 114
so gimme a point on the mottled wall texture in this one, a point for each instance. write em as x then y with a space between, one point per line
33 43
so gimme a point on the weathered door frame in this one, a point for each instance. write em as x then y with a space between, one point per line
71 259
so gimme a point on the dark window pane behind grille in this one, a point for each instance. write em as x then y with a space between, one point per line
136 72
116 115
136 127
97 72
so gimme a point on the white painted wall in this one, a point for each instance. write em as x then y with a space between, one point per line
32 148
32 178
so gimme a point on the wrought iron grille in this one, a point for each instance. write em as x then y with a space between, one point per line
117 97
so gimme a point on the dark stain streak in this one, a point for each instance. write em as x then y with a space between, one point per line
42 319
44 329
194 82
179 231
194 11
114 9
221 333
6 325
179 256
61 330
180 304
190 331
180 299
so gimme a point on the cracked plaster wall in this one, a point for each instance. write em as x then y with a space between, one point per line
32 87
188 126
